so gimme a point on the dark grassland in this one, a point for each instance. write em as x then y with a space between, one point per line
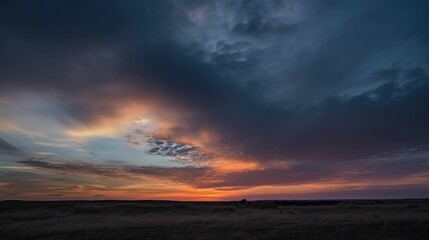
363 219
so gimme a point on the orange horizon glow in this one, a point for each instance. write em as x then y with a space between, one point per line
156 190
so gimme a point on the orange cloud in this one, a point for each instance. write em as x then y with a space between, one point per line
125 116
233 165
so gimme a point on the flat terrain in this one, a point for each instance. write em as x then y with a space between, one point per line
364 219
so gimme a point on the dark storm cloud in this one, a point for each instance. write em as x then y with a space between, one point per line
416 73
346 38
387 118
257 20
78 21
388 74
42 41
80 48
390 117
257 26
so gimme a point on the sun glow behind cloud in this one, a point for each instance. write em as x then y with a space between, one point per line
222 162
124 117
127 117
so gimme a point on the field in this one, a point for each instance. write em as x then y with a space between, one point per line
363 219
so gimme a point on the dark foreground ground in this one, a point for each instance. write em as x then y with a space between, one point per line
372 219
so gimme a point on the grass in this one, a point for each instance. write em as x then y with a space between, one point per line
387 219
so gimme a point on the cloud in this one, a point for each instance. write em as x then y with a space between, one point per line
257 26
389 74
180 152
8 148
406 168
293 99
188 175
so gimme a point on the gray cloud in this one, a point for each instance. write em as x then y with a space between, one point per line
188 175
8 148
257 27
406 167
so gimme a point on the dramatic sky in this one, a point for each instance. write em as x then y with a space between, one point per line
214 100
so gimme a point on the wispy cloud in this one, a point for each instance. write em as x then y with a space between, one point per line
188 175
8 148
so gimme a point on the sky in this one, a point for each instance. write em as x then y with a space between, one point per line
214 100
